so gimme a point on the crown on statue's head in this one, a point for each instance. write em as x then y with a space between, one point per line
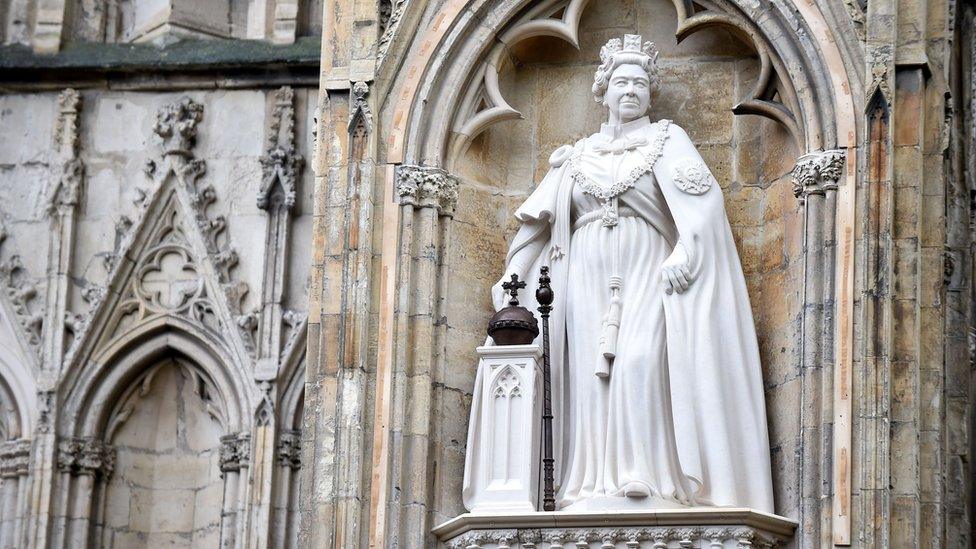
632 43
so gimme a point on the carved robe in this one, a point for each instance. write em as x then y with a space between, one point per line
679 408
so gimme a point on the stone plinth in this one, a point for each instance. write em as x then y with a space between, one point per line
703 527
505 420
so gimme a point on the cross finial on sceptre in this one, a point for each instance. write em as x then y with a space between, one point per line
513 287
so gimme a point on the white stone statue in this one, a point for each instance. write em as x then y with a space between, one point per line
656 381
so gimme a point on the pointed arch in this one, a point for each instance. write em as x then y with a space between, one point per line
18 396
90 397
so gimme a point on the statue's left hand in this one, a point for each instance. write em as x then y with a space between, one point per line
676 271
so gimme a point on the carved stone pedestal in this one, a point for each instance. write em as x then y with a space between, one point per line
703 527
505 470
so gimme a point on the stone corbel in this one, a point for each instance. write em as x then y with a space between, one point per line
817 172
427 187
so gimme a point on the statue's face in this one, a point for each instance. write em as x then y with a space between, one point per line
629 94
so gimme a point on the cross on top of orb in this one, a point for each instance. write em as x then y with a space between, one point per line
513 287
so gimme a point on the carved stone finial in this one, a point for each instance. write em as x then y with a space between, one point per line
281 163
818 172
880 60
68 185
360 107
426 186
176 125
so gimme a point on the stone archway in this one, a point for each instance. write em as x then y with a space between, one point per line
162 359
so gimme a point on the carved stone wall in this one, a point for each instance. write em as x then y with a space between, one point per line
844 168
154 272
157 204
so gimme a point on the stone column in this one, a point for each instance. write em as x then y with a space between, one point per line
14 466
428 197
815 179
235 452
62 201
281 165
84 462
288 461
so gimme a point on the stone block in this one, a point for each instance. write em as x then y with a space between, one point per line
233 124
28 121
207 503
904 458
783 412
158 511
123 123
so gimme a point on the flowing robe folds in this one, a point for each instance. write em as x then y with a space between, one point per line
688 402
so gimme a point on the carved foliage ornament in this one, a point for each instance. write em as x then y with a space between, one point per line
24 298
818 172
655 537
86 456
427 187
289 449
235 451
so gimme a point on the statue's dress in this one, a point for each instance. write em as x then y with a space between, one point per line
621 428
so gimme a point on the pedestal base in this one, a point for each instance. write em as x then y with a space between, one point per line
701 527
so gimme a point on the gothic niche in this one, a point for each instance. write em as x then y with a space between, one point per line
701 80
166 487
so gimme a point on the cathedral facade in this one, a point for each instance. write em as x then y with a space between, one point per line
247 250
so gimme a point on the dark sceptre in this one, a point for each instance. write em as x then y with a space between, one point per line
544 296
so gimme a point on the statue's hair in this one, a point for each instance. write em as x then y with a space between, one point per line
630 52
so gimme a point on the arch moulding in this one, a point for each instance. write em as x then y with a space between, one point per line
92 397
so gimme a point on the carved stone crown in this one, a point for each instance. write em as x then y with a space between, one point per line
632 44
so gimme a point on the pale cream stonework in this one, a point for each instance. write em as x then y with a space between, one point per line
859 270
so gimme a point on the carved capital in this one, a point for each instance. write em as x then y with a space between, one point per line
235 452
426 186
281 162
818 172
86 456
15 458
289 449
